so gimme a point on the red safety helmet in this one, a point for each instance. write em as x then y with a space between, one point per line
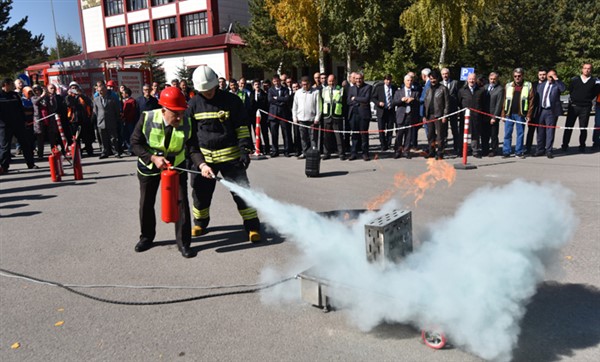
111 83
172 98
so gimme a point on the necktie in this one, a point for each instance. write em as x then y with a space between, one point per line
168 133
278 92
103 100
407 92
256 96
491 88
545 100
388 97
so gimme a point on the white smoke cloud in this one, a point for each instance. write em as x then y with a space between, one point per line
471 279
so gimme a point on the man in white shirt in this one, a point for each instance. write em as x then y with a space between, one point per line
306 111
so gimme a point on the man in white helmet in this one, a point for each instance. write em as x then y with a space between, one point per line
225 144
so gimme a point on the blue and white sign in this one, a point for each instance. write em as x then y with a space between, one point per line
25 79
464 72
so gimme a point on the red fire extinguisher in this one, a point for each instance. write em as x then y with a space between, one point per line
58 159
169 185
54 170
76 156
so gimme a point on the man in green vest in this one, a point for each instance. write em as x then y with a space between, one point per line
161 139
333 117
518 107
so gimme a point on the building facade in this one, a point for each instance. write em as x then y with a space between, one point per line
120 33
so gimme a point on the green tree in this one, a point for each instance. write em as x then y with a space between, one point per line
66 47
443 24
185 73
19 47
156 69
265 49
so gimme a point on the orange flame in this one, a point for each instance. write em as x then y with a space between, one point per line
436 171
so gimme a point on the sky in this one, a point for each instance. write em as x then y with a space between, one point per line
39 13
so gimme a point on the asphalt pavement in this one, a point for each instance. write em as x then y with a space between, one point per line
84 232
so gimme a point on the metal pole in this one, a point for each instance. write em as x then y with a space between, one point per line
55 32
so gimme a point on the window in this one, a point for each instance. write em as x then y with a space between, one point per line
194 24
113 7
139 33
133 5
161 2
165 29
116 36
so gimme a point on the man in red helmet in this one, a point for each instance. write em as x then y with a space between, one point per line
161 138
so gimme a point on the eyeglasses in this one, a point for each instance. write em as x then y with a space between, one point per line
517 76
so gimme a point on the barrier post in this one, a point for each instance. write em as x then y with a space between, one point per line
464 165
257 155
62 134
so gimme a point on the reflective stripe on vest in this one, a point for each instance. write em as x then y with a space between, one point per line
223 155
510 89
154 131
242 132
336 96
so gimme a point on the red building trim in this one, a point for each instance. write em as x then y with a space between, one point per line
212 12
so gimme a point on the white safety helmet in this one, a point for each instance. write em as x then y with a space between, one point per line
205 78
73 83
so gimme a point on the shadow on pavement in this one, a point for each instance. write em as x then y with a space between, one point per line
20 214
13 206
560 319
46 175
49 185
107 177
333 173
25 197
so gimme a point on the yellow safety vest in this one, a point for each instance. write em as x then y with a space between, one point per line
524 105
332 100
154 131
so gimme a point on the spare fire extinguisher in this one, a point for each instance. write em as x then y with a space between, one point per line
54 170
58 159
76 157
169 185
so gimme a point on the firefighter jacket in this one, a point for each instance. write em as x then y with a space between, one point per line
79 108
149 138
332 101
221 127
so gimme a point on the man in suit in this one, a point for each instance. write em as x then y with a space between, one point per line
406 102
492 104
549 110
532 126
259 101
382 98
471 96
436 105
106 112
456 129
359 114
279 108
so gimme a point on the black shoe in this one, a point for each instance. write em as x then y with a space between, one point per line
287 155
187 252
352 157
326 156
477 155
33 166
301 157
342 157
143 245
581 149
539 153
520 155
564 148
103 156
366 158
274 154
397 155
505 156
550 155
407 155
119 155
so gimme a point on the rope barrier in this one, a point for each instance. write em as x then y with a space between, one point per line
534 124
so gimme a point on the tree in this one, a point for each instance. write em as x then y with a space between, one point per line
19 47
184 73
443 24
265 49
66 47
152 63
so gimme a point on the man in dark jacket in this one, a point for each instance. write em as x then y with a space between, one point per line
280 113
146 102
359 114
471 96
436 106
406 102
492 104
260 102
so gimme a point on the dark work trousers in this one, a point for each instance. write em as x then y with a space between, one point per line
297 142
414 136
86 135
306 135
203 189
386 122
265 145
46 129
403 135
336 125
436 134
494 138
545 136
574 112
475 130
110 141
148 190
8 129
357 124
532 128
486 132
457 134
347 136
275 124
